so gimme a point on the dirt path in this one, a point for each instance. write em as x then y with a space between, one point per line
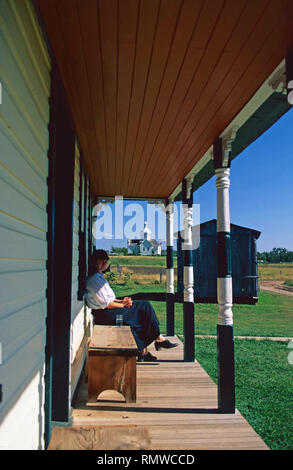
276 286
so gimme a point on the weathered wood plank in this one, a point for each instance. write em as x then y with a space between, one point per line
112 337
99 438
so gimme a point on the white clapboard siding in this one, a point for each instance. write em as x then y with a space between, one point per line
80 315
75 240
88 228
24 140
76 305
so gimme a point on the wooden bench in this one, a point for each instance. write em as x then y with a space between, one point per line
111 362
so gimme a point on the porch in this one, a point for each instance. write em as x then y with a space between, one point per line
176 405
141 100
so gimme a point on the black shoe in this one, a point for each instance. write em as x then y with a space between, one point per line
164 344
147 357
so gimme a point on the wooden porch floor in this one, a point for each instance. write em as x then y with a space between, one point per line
176 403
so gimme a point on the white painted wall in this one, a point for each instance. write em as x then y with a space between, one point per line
80 314
24 138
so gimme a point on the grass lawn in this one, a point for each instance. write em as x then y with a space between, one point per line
263 375
271 316
263 386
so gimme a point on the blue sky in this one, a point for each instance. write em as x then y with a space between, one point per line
261 191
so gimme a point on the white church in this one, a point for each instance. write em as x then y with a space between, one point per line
144 246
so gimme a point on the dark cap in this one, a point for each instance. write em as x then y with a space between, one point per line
97 254
100 254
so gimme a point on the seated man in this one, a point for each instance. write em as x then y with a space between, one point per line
138 314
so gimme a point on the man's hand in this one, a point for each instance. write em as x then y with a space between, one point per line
127 302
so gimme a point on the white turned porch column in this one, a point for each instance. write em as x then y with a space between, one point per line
170 267
224 280
187 247
225 341
188 280
170 247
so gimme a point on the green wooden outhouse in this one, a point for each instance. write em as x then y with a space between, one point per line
244 264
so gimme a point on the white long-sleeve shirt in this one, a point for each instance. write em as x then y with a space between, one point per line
98 292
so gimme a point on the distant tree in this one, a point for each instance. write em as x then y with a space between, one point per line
119 250
276 255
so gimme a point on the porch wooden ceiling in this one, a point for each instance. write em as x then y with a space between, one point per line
152 83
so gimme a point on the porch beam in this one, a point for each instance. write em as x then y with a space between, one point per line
170 267
188 293
225 341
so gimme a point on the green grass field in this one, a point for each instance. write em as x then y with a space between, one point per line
263 374
281 271
271 316
139 260
276 272
266 272
263 386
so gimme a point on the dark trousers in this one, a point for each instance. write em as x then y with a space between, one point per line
140 317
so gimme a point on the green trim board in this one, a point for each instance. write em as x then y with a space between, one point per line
60 222
264 117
